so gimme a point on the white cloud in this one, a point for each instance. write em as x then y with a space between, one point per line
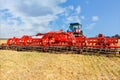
95 18
72 19
35 16
87 2
93 24
71 7
68 11
78 10
90 26
63 1
72 14
82 17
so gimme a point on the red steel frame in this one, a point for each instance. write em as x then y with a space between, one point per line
64 39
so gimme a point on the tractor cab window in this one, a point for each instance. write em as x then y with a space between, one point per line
73 27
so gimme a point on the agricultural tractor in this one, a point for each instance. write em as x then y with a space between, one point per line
73 41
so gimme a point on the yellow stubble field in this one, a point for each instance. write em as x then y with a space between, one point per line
45 66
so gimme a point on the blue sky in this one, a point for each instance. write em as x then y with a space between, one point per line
19 17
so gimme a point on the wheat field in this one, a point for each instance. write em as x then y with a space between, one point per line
45 66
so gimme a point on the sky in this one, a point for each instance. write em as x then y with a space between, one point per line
29 17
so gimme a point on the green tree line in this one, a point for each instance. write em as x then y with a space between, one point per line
116 35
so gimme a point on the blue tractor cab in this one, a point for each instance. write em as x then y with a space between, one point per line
75 28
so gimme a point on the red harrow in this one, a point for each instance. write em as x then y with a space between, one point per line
71 41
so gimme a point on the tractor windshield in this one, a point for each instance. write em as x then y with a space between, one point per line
73 27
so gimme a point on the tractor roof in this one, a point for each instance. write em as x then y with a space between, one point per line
72 24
